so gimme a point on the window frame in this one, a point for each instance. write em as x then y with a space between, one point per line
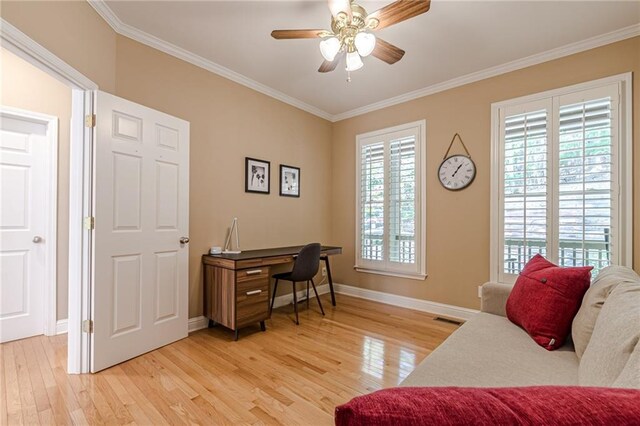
623 172
417 128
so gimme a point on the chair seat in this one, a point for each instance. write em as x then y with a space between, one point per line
283 276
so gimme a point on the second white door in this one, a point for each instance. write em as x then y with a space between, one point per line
25 201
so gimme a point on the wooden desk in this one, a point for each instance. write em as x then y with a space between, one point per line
237 286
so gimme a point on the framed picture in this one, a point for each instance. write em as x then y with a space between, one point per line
289 181
257 176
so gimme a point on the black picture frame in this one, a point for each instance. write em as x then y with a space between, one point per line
287 187
257 181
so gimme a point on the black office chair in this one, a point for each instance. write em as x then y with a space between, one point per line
304 269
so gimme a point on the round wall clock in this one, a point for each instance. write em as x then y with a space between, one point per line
457 171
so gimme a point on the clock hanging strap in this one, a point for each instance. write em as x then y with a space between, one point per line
451 144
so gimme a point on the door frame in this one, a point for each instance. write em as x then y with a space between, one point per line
80 189
49 326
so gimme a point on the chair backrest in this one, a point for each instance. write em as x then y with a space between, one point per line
307 263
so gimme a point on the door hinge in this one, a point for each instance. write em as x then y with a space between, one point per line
89 222
87 326
90 120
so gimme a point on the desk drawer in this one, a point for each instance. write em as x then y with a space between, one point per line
252 295
252 290
252 274
252 301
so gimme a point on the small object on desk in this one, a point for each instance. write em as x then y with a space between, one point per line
215 250
227 245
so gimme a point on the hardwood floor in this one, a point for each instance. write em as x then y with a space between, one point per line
287 375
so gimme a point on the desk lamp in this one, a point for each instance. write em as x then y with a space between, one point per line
228 246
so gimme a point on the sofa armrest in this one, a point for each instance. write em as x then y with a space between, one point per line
494 298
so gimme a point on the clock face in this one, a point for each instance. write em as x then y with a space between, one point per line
457 172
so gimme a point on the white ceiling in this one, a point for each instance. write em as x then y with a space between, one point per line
453 39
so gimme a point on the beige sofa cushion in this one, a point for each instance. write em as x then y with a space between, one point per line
594 298
630 376
490 351
615 337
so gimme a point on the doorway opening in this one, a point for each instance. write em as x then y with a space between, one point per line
69 293
35 114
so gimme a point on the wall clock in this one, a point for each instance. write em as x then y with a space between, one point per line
458 171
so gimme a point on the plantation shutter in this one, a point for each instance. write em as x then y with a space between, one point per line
389 187
559 181
372 201
525 183
587 194
402 200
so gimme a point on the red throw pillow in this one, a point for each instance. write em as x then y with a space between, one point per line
541 405
545 299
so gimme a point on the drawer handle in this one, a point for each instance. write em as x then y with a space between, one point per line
254 272
251 293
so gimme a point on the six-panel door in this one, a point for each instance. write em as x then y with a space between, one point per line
140 287
23 171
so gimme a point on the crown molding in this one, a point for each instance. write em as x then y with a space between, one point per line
22 45
569 49
152 41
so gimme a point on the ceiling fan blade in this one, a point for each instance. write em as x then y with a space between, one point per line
387 52
398 11
328 66
293 34
337 6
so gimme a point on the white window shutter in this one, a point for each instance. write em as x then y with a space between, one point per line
390 201
587 197
525 188
372 201
559 171
402 200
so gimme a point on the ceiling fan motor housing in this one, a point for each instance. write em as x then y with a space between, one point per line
346 30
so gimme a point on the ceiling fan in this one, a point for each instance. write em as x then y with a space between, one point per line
351 32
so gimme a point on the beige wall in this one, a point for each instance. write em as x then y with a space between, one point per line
24 86
71 30
458 222
228 123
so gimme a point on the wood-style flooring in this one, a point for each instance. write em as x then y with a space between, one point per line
287 375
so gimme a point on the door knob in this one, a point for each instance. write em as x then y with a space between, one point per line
37 239
184 240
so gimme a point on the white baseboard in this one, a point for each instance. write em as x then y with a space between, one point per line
198 323
61 326
406 302
287 299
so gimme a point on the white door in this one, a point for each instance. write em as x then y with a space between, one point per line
23 224
141 199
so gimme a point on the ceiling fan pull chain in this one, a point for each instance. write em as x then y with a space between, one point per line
348 76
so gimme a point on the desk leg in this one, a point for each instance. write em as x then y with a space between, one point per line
235 336
333 296
263 327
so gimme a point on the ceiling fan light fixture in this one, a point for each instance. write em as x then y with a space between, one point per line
365 43
354 62
329 48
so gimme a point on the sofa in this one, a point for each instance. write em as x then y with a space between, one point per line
490 351
490 371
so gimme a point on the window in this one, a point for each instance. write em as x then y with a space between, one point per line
562 185
390 194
